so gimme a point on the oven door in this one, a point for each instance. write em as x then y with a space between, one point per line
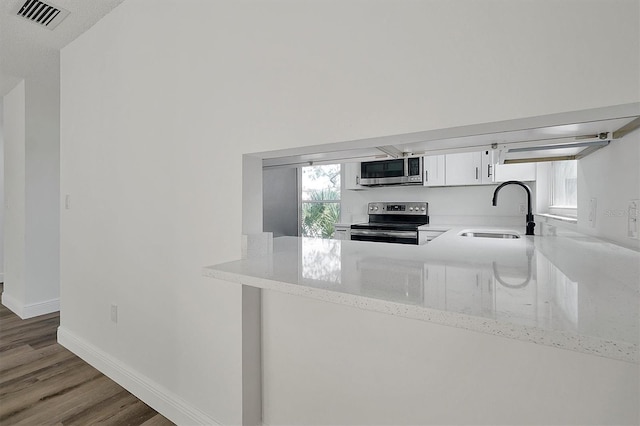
385 236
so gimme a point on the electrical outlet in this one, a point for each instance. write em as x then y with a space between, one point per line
592 212
114 313
67 202
633 214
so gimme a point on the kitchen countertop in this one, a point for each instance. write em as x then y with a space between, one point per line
572 292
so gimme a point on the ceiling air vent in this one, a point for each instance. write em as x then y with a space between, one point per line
43 14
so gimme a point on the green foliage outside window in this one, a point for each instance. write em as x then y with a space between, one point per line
320 200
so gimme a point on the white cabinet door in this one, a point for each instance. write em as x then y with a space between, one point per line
463 168
487 170
352 176
434 167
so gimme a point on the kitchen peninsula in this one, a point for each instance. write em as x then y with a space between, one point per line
462 329
549 290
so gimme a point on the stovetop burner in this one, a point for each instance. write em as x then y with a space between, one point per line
392 223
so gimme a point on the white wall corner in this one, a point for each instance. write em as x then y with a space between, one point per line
159 398
26 311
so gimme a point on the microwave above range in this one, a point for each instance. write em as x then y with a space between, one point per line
401 171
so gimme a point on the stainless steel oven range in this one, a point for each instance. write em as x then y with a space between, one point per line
393 223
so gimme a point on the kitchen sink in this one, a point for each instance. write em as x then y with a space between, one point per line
490 234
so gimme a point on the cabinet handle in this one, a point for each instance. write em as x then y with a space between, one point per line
488 170
477 170
357 180
426 175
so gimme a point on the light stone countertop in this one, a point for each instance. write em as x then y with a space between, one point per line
572 292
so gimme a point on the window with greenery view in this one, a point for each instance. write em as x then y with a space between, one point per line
320 200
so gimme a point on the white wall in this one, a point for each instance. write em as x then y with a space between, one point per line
42 176
468 205
154 122
31 245
611 175
14 293
1 192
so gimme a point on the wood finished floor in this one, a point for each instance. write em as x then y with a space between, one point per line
42 383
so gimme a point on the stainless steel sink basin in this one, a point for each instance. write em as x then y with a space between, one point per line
490 234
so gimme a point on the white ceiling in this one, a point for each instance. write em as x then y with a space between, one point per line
29 51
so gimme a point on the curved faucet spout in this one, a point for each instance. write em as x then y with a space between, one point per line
530 223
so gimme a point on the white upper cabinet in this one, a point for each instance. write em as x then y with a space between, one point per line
487 169
498 173
467 168
463 169
434 167
352 176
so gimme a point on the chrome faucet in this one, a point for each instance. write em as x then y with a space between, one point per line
530 223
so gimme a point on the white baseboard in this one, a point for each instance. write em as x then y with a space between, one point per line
12 304
41 308
32 309
159 398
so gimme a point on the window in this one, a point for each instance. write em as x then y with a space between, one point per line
319 200
564 188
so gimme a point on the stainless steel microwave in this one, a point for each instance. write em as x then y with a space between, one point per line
401 171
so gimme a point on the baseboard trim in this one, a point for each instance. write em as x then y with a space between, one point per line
12 304
159 398
32 309
41 308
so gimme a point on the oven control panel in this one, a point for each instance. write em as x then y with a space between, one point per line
404 208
